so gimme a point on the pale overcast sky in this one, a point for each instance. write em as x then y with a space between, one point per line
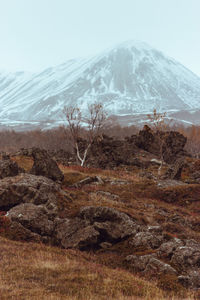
35 34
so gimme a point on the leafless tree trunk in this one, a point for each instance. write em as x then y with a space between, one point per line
94 123
159 128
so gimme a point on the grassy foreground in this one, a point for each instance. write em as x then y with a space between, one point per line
35 271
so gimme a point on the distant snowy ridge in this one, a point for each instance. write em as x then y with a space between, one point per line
129 78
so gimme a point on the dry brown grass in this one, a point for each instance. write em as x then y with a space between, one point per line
33 271
24 162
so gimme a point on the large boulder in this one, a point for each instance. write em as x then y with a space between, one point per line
75 233
167 249
27 188
44 165
174 143
94 227
32 217
107 152
147 140
191 279
112 224
186 257
149 265
146 240
18 232
102 214
156 267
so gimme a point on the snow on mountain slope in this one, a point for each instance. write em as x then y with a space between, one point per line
130 78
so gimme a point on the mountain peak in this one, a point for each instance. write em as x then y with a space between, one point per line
131 77
134 44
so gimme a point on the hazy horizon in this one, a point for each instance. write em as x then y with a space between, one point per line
37 34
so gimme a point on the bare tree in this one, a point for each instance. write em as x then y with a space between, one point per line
93 125
159 127
157 120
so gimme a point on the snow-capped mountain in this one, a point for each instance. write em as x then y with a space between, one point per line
130 78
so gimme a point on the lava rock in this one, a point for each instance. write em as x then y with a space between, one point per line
44 165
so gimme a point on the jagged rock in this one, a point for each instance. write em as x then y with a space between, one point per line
146 140
112 224
76 233
20 233
186 257
93 227
156 267
32 217
138 263
44 165
103 214
168 248
107 152
172 143
9 168
113 231
191 279
149 265
146 239
27 188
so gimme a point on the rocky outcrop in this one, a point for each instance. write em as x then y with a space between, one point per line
187 256
149 264
76 233
174 143
44 165
147 240
27 188
94 226
174 257
108 153
147 140
167 249
35 218
91 229
191 279
170 143
9 168
112 224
